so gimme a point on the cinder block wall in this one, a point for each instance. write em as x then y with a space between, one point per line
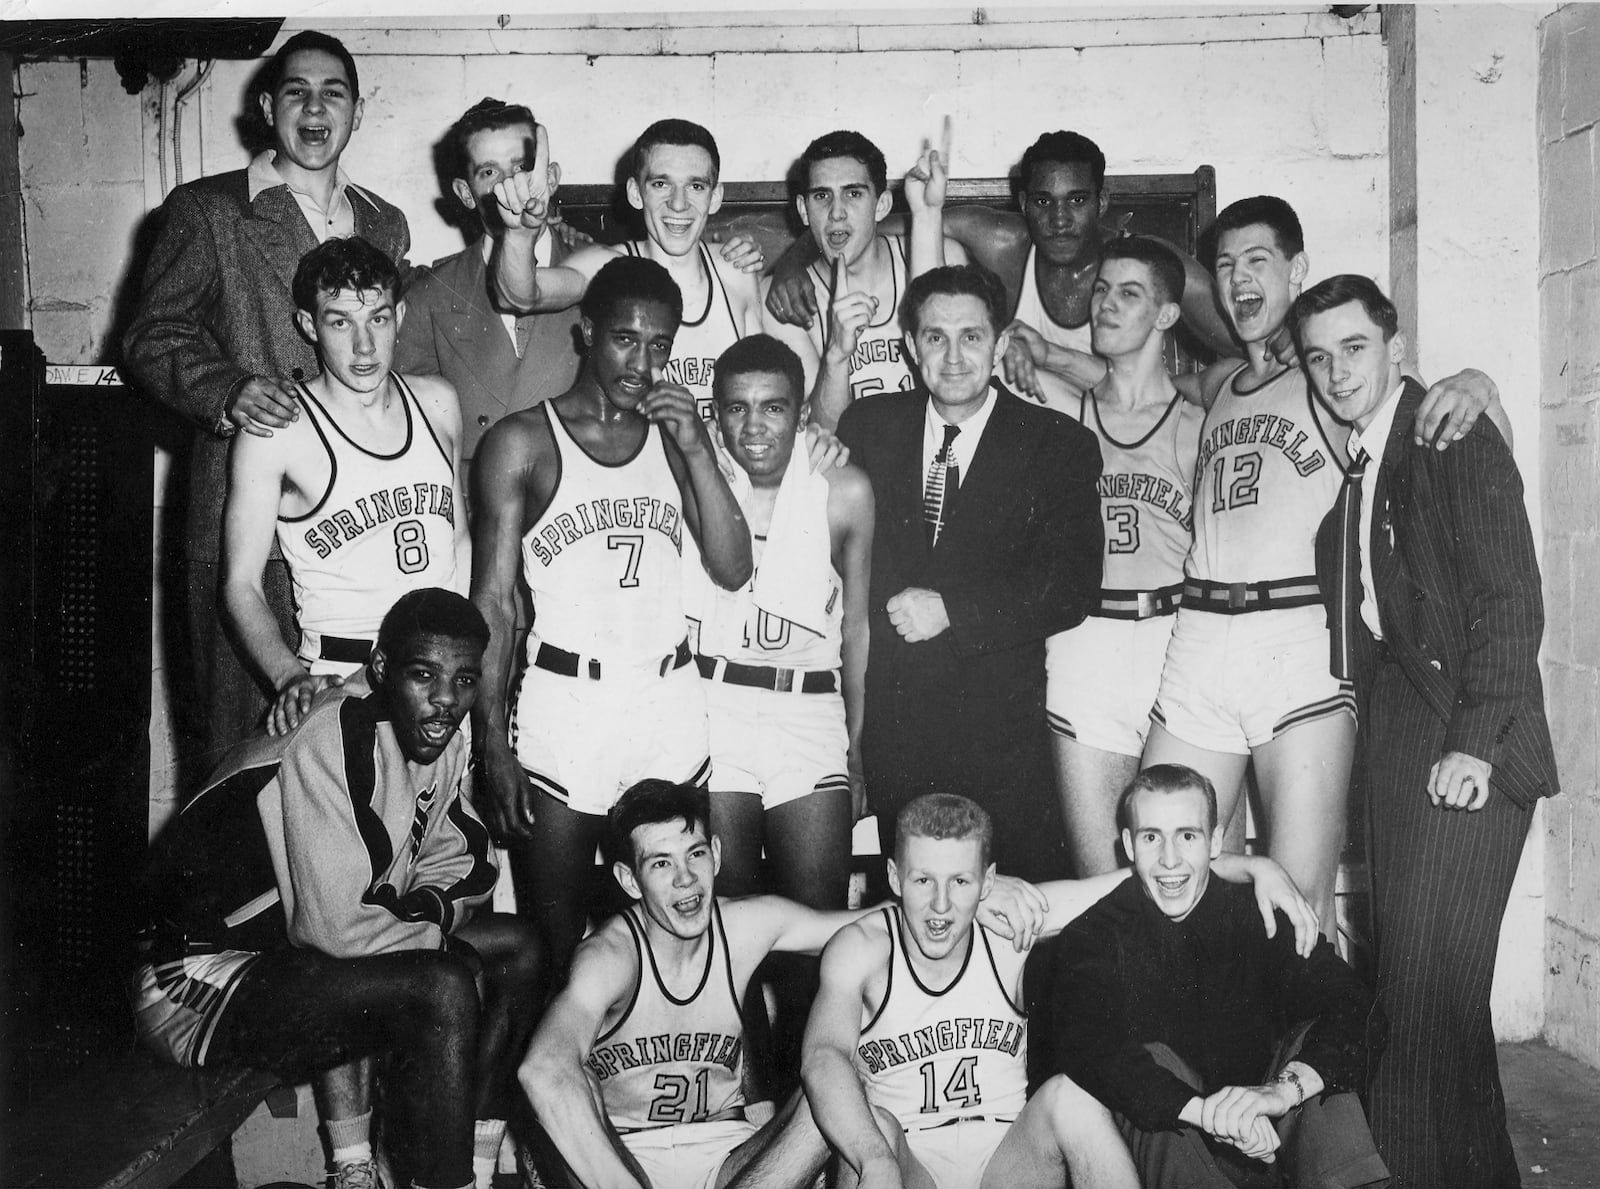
1569 287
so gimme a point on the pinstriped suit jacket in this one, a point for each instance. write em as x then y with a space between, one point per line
1459 597
215 308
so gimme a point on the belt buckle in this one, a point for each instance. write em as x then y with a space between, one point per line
594 670
783 680
1237 593
1146 600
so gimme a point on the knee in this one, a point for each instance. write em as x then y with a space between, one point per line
1072 1110
443 987
893 1133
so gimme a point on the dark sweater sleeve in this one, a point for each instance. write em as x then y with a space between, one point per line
1348 1027
1092 1041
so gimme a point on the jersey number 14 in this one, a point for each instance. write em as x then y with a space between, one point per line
960 1088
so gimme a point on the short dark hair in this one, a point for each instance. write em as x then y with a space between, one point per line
844 143
759 353
430 611
1166 270
944 815
630 278
954 280
678 132
488 114
1342 290
337 264
1062 148
1167 778
310 39
1267 210
647 803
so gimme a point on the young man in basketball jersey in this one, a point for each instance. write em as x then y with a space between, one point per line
1247 675
636 1069
916 1053
587 498
361 492
857 278
674 185
1104 673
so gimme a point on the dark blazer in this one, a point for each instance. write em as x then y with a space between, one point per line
451 329
1459 598
215 309
1018 560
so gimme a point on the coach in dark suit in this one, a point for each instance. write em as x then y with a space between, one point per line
988 540
1434 599
451 328
214 337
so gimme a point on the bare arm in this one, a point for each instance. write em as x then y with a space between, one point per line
709 508
560 1089
851 515
501 475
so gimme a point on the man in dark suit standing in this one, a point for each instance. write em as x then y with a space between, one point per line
215 339
1427 567
988 540
497 362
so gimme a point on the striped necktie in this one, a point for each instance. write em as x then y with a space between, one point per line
944 477
1347 571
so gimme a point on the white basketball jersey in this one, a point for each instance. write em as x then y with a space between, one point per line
386 524
671 1060
604 561
1145 502
932 1056
702 337
775 642
879 362
1030 309
1265 479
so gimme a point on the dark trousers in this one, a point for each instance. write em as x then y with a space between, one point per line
1440 881
1326 1145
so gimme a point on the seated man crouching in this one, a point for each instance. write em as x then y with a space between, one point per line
1212 1043
315 903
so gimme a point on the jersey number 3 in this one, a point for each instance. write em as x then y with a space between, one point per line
960 1088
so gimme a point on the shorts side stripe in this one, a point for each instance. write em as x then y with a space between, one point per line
548 785
1060 725
1343 702
835 781
702 775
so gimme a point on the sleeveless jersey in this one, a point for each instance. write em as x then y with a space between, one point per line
932 1056
604 561
1145 501
776 642
878 363
1265 479
670 1060
1030 309
701 338
385 525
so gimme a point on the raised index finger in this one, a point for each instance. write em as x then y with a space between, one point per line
946 135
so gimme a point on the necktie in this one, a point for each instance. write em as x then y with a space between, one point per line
1347 570
944 477
524 333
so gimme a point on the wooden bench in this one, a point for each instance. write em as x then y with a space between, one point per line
129 1122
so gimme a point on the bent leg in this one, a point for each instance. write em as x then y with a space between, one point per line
737 821
1062 1130
1090 782
554 874
298 1011
1328 1145
1304 775
912 1173
512 989
788 1152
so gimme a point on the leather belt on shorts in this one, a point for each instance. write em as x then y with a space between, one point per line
1139 604
1236 598
783 681
344 649
570 664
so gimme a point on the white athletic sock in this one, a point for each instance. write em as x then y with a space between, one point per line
350 1139
486 1137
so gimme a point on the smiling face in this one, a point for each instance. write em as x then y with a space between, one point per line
312 112
957 350
1125 308
677 189
1171 847
493 155
1063 208
1351 366
628 348
842 208
674 867
759 415
939 882
355 334
429 686
1256 281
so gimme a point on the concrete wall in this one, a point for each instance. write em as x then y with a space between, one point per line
1569 307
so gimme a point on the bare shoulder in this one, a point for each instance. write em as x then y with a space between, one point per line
591 258
520 437
860 948
436 394
848 486
607 959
